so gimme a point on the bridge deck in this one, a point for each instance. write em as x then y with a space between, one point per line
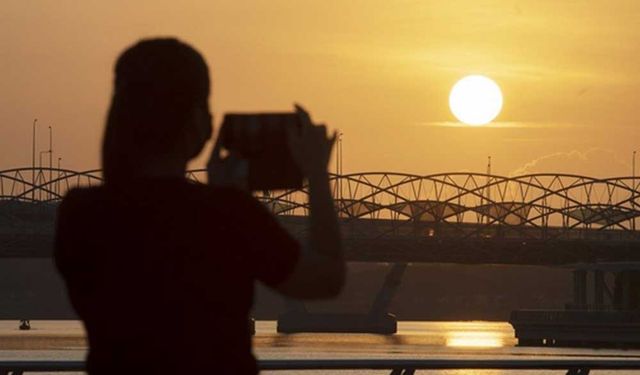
377 240
546 219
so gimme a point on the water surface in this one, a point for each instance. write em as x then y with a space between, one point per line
415 340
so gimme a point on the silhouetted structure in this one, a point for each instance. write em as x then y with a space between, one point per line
546 219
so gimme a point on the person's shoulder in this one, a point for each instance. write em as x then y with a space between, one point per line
80 196
74 207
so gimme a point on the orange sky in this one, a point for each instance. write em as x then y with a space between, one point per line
380 71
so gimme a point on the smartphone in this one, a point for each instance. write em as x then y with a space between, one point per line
261 139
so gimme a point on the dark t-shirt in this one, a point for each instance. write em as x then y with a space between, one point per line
162 274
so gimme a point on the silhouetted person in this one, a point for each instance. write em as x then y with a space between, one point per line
182 257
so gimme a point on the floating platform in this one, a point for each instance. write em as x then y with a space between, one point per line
577 328
298 322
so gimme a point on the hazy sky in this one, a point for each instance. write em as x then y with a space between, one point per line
380 71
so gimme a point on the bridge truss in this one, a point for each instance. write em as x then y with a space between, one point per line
536 204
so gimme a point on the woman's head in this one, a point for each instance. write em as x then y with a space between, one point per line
159 109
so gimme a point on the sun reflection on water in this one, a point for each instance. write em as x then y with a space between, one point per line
474 339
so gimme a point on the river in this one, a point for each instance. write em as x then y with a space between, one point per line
415 340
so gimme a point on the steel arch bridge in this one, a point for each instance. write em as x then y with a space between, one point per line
459 217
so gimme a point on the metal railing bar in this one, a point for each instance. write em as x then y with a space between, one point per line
375 364
441 364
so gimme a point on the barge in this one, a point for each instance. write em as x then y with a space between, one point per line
607 314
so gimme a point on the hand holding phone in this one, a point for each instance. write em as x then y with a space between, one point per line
260 140
228 171
278 150
310 146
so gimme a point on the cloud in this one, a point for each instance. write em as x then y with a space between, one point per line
595 162
497 125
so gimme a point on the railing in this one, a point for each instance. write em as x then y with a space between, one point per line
397 366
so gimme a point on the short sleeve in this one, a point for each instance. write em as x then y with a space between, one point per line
272 251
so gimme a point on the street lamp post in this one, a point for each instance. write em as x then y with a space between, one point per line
58 179
633 190
341 155
33 160
489 189
41 177
50 153
339 168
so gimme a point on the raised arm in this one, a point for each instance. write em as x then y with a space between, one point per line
320 269
320 272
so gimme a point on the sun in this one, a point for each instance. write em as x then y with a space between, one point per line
475 100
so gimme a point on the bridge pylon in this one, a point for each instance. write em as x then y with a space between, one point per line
377 320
